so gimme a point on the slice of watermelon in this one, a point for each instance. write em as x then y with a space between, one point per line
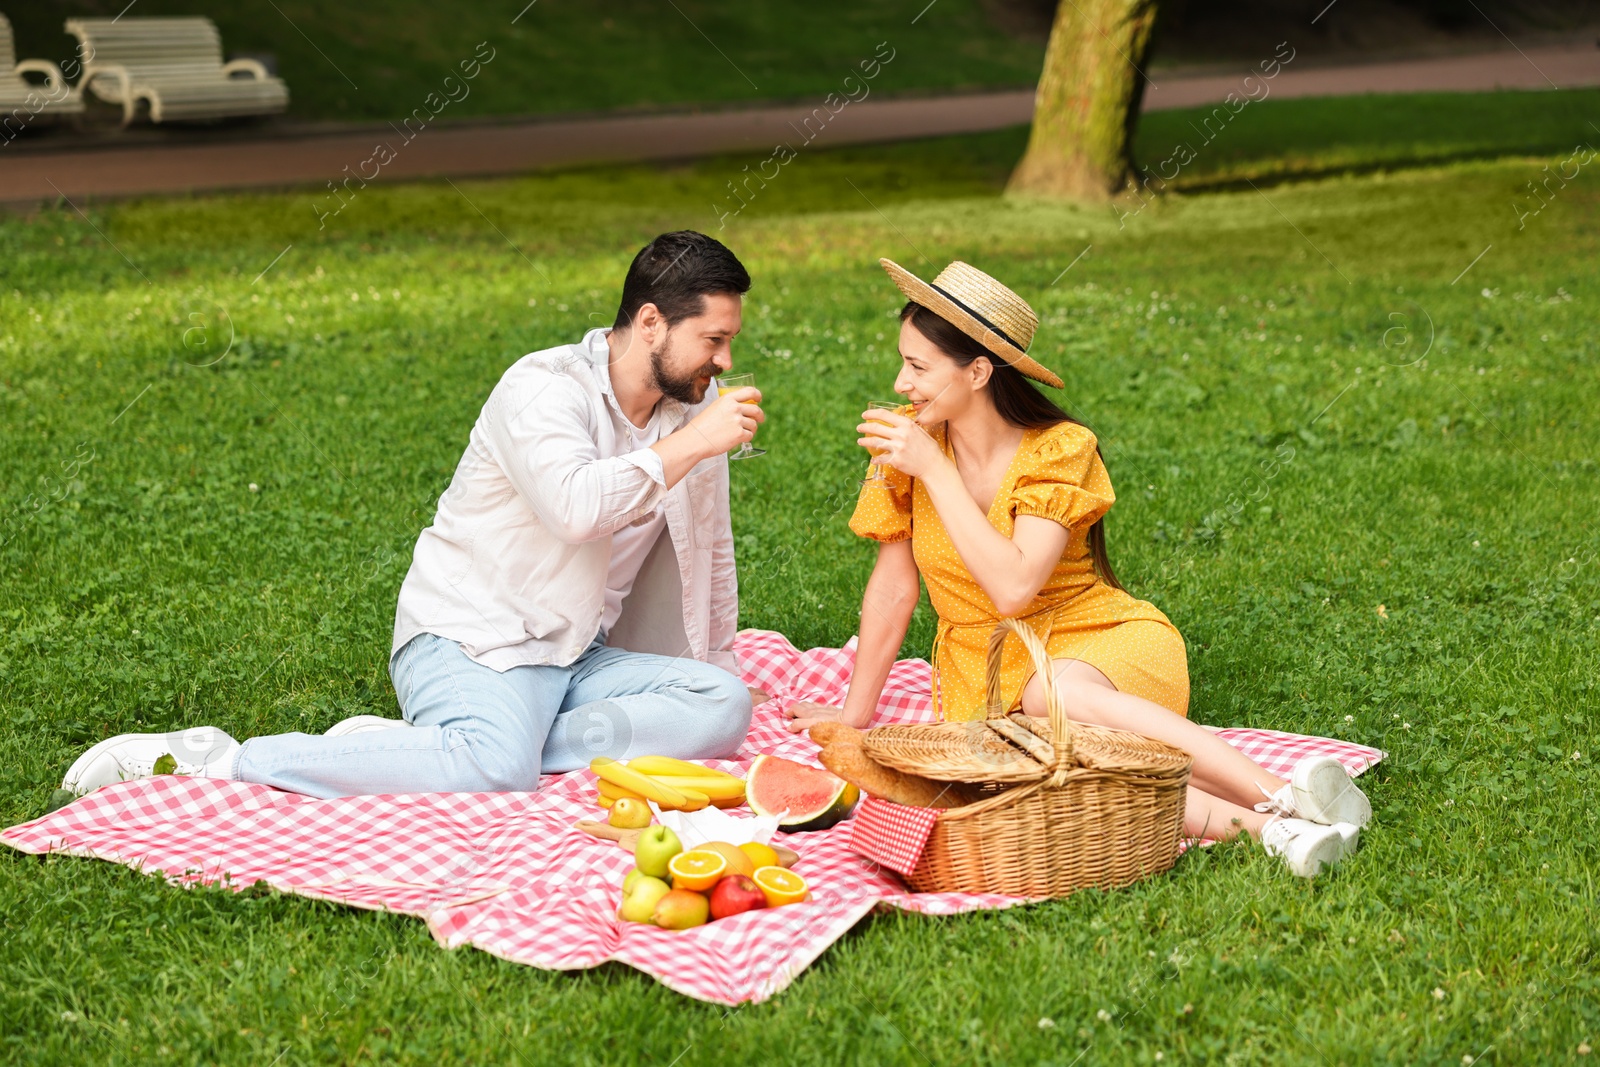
815 799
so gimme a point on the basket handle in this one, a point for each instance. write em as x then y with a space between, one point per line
1060 727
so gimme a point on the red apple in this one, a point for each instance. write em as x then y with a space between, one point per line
736 894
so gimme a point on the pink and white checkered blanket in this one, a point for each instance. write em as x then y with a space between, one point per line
507 873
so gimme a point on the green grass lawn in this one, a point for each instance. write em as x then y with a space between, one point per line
379 61
1280 140
1350 421
1287 138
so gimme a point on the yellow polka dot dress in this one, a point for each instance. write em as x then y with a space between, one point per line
1056 474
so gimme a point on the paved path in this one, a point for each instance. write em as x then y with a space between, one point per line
315 157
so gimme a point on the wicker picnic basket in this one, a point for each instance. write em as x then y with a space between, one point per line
1069 805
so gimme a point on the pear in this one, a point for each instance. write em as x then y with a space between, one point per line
630 814
680 909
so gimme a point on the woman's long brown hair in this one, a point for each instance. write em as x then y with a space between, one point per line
1015 399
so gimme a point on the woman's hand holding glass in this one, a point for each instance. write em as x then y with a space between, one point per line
875 473
898 441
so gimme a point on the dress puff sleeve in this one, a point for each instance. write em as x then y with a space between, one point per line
883 510
1066 482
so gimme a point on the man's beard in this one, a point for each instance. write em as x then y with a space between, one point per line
686 389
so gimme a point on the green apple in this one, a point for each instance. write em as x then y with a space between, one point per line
628 880
639 903
654 850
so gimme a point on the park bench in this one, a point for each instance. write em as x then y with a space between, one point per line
174 65
22 101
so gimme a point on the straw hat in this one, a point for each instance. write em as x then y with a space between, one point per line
982 308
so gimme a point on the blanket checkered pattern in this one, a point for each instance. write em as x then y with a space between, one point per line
508 874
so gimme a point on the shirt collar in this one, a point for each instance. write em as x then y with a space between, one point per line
594 343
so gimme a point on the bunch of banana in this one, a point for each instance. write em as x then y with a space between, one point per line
674 784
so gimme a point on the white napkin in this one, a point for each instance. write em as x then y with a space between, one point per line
696 828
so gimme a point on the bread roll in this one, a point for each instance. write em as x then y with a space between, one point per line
851 762
832 731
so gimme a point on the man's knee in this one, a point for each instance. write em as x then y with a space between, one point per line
483 768
729 720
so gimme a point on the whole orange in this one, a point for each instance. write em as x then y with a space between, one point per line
760 855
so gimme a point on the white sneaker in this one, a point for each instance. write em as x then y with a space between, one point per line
1307 847
362 724
1319 790
201 750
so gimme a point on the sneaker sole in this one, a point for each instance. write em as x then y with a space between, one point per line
1349 838
83 763
1327 852
362 724
1325 793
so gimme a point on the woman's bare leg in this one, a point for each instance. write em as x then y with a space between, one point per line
1207 816
1219 769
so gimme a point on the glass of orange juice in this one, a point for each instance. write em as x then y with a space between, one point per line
726 385
875 469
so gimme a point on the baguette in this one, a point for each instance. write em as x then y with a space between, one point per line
851 762
833 731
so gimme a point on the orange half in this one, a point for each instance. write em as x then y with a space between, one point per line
698 869
781 886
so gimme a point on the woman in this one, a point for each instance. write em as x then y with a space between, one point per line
995 497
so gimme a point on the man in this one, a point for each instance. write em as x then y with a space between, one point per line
545 565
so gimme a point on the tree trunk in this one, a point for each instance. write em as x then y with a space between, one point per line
1088 101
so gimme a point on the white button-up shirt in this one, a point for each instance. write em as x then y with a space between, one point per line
514 566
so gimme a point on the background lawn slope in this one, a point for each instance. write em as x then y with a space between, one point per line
380 61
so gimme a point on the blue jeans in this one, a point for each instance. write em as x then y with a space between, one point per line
480 730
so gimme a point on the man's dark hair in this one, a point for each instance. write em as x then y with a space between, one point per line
675 272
